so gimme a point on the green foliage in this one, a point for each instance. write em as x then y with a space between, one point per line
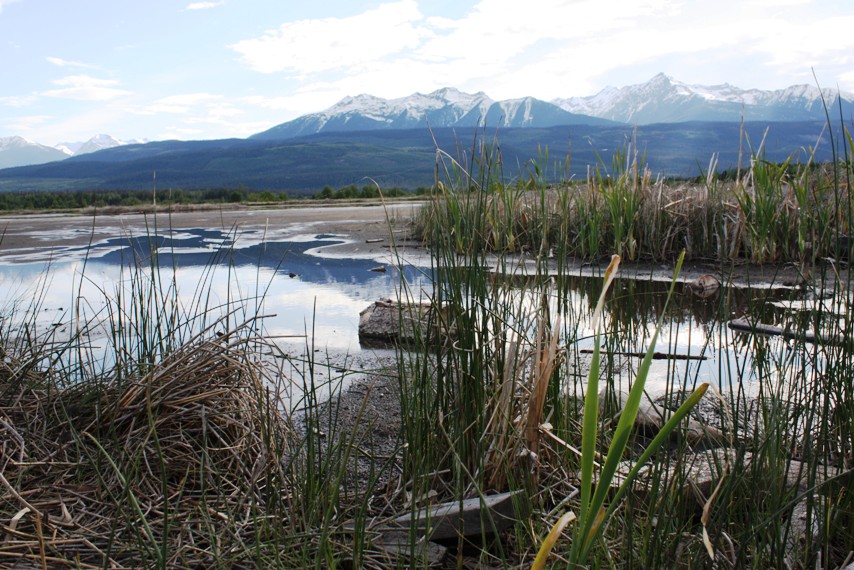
593 516
73 200
353 192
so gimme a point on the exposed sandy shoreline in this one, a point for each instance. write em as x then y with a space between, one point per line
363 225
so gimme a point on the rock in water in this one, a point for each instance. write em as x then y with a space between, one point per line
704 286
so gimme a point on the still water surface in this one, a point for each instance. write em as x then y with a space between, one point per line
311 299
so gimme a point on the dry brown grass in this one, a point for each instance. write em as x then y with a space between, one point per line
176 468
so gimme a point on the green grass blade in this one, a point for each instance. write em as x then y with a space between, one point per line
663 435
591 514
591 403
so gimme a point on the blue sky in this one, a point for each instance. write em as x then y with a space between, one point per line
230 68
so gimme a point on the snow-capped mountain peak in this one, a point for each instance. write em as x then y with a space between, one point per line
18 151
96 143
662 99
446 107
413 106
7 143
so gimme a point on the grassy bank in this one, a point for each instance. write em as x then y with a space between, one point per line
767 213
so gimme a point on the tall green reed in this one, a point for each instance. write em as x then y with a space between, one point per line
593 515
622 189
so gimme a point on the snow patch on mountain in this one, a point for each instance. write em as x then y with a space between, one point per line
96 143
413 107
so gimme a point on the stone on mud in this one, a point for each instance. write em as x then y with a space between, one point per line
388 322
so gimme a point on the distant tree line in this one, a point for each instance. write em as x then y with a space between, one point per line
367 191
76 199
79 199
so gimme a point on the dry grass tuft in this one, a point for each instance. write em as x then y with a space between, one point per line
163 469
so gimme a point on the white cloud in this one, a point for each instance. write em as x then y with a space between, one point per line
314 46
17 101
826 41
203 5
192 114
180 132
776 4
66 63
562 48
846 81
178 104
394 50
86 88
316 97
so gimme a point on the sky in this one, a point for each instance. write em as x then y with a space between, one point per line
211 69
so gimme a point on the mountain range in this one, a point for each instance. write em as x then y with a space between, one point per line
18 151
659 100
662 99
679 125
446 107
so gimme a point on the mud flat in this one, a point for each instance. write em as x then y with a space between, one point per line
367 228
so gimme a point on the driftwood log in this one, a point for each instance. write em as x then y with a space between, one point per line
471 517
753 327
651 418
414 533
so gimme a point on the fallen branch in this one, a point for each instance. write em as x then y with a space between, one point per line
746 325
655 355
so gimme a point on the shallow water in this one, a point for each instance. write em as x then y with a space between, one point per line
695 344
693 330
310 302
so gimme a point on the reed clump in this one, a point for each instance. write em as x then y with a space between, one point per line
766 213
179 467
